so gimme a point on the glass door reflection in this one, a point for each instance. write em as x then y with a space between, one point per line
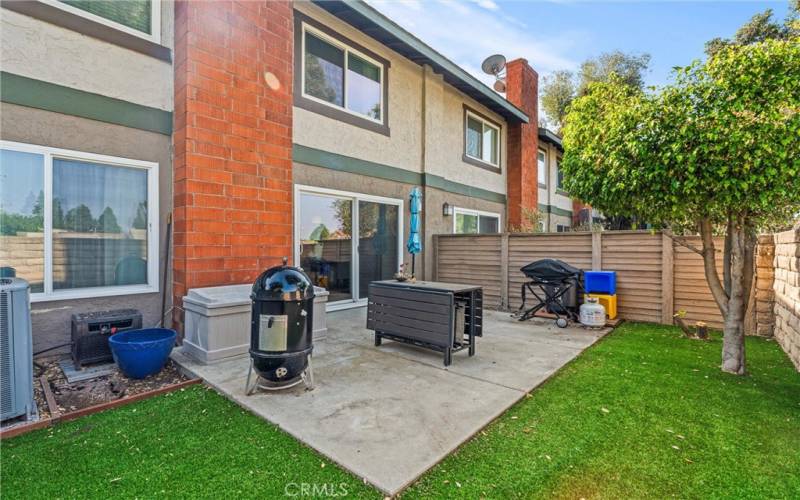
377 245
326 243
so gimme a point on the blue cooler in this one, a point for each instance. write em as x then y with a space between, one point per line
600 282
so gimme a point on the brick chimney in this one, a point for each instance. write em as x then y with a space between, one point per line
522 90
232 142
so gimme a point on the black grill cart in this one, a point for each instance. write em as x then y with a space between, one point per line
445 317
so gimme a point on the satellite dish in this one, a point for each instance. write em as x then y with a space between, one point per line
500 86
493 65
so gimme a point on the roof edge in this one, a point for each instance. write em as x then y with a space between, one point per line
382 22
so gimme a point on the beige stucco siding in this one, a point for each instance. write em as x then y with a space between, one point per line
43 51
51 320
426 120
402 148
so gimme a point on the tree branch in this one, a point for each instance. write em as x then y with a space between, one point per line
710 266
680 240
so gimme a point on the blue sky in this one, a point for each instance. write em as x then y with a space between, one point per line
560 34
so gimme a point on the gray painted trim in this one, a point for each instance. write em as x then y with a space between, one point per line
325 159
80 24
317 107
24 91
443 184
551 209
381 22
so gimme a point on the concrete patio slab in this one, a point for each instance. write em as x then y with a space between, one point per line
389 413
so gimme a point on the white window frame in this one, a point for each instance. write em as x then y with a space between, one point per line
485 123
559 175
347 51
543 172
479 213
354 197
155 19
153 256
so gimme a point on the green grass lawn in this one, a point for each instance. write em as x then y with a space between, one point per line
644 413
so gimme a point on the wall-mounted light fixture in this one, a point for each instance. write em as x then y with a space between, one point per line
447 209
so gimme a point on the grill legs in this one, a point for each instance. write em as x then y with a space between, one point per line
255 382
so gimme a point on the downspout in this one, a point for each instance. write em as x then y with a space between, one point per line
424 187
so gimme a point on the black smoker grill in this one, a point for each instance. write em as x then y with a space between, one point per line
555 285
281 329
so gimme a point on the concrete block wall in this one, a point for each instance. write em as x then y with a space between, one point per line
786 287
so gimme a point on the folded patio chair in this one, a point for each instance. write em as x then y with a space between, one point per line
553 285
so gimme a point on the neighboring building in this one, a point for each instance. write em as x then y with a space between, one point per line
281 129
85 167
558 211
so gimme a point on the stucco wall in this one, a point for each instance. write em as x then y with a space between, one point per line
425 119
550 195
43 51
51 319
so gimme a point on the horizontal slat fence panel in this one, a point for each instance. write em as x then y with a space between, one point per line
636 257
573 248
473 260
691 290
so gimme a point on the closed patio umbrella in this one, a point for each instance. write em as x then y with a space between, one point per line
414 245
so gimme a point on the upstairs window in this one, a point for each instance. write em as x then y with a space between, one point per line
341 77
482 140
137 17
542 169
559 175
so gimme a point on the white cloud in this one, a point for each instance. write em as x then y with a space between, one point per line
468 32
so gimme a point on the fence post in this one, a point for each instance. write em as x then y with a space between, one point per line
667 279
597 250
435 258
504 271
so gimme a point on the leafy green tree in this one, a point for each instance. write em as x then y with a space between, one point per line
80 219
718 150
562 87
558 90
761 27
107 222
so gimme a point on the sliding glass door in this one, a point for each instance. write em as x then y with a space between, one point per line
346 240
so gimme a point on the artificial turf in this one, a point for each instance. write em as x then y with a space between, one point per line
191 443
643 413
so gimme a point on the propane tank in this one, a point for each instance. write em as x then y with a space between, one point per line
592 313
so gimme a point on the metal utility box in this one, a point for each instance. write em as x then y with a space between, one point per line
90 333
16 351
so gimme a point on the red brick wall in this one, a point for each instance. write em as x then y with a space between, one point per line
233 141
522 84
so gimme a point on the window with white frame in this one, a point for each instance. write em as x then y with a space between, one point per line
136 17
559 175
467 221
482 139
341 77
542 167
78 224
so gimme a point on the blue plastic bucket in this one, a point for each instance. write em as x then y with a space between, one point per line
141 353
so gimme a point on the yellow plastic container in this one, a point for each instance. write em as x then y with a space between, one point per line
607 301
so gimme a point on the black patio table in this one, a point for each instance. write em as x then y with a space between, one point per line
445 317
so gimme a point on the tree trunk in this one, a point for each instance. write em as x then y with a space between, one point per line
733 332
731 297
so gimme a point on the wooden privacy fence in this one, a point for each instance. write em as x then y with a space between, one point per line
656 277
